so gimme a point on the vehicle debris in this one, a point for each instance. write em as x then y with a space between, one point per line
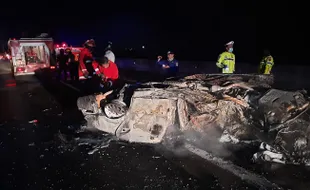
33 121
243 107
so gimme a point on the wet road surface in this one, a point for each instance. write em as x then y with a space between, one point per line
40 148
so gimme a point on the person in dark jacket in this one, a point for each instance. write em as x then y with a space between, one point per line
73 65
62 60
170 67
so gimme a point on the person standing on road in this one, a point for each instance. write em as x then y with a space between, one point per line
170 66
226 60
86 59
108 52
62 60
73 65
266 63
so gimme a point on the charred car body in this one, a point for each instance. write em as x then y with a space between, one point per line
243 108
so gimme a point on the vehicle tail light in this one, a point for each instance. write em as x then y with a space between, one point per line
10 83
52 67
20 69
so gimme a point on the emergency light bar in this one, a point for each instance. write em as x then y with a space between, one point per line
63 45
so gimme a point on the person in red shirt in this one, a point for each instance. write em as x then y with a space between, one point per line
86 59
107 70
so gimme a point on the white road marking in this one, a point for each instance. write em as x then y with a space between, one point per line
238 171
70 86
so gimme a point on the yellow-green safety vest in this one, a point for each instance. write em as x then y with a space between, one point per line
266 65
226 62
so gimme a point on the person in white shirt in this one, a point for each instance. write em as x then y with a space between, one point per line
108 52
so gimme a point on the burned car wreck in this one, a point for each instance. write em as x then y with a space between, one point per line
244 108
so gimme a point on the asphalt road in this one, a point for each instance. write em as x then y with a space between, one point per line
41 148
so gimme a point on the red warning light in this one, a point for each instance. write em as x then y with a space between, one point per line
63 45
10 83
57 46
20 69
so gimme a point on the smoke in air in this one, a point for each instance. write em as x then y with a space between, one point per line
208 141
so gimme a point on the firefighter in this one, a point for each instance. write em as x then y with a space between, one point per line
108 52
107 71
226 60
62 60
266 63
170 66
72 65
86 59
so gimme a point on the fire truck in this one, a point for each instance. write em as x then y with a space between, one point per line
30 54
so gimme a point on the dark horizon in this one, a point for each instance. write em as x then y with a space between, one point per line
192 30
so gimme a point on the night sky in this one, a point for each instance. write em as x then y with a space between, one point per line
192 29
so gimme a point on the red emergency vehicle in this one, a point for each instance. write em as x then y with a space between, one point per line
30 54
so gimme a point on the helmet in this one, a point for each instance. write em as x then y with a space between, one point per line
115 109
230 43
68 50
109 47
169 52
90 43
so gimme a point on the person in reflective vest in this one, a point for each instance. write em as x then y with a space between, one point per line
266 63
226 60
86 59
